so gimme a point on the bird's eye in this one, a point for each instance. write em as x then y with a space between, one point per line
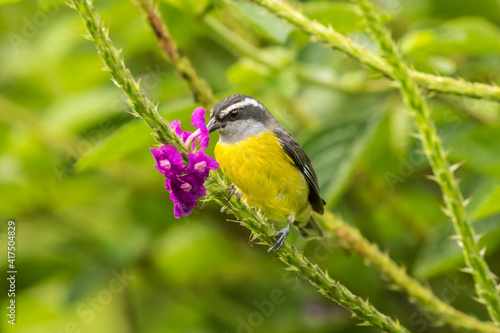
234 114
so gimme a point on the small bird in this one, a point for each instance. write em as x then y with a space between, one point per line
267 164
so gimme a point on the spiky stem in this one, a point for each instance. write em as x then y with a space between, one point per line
216 188
351 239
338 41
443 173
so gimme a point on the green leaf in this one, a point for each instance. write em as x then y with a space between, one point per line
442 253
455 8
485 200
335 151
477 145
466 35
267 24
246 72
76 112
131 136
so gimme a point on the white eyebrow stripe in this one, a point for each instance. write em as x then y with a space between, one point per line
244 103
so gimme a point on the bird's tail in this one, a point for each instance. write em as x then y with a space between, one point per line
310 229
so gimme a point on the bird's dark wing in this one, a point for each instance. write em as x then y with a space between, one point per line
293 149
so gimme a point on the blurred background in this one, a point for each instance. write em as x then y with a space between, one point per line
98 248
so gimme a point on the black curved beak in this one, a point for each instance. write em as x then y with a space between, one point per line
213 125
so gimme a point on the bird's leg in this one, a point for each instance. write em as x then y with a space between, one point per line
232 191
283 233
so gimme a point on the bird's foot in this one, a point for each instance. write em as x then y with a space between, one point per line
283 233
232 191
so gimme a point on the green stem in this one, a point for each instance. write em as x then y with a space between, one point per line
350 238
435 153
344 44
216 187
296 261
201 91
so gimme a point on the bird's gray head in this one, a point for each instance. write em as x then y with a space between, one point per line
237 117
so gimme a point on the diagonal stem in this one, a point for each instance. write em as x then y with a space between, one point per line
443 173
350 238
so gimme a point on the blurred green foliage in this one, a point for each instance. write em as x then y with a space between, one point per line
78 178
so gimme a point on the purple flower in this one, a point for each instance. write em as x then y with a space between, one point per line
184 191
200 164
185 182
168 160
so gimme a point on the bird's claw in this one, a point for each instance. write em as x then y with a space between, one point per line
283 233
232 191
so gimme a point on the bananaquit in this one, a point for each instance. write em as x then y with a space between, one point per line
267 164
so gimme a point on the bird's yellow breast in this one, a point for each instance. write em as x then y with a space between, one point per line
265 175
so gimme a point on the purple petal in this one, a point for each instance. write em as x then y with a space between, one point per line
172 154
211 163
168 160
192 139
184 191
176 126
183 209
186 135
196 189
198 120
168 187
157 155
200 164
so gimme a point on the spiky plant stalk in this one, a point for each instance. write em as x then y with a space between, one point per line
351 239
443 173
